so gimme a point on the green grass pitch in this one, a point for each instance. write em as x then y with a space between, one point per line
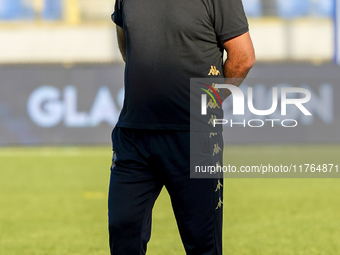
53 202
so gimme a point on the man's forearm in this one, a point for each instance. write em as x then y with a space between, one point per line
235 73
241 58
121 41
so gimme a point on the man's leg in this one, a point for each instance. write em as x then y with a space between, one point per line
198 210
130 207
197 203
132 193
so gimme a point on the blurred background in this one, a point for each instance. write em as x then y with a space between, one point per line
61 85
62 74
81 31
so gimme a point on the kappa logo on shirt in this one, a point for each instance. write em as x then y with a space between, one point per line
212 104
212 119
211 91
214 71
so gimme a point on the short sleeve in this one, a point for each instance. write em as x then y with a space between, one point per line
229 19
117 16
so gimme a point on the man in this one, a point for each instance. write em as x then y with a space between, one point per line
164 44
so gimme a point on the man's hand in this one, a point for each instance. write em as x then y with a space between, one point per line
241 58
121 41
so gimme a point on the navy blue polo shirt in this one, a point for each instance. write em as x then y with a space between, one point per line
169 42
